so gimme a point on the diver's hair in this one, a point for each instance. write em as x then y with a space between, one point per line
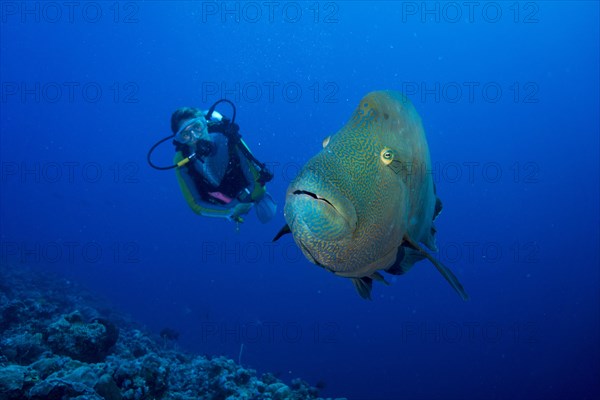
183 114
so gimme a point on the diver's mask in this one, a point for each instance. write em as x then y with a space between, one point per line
192 131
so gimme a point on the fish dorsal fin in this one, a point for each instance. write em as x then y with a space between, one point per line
446 273
286 229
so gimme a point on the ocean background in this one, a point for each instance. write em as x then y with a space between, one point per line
509 97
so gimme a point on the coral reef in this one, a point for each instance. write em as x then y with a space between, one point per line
56 343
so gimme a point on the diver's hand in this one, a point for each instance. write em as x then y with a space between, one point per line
265 176
231 128
204 148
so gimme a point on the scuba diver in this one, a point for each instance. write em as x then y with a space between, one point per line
216 171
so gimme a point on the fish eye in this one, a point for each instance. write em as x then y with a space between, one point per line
326 141
387 156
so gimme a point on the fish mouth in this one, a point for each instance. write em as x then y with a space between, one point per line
320 223
326 213
314 196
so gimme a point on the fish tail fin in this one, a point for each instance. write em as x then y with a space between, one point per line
445 271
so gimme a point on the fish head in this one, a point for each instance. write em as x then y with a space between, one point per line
320 215
345 208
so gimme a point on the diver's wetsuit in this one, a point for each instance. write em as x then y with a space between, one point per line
220 173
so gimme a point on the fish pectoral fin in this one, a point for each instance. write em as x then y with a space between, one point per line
438 204
286 229
446 273
433 229
438 208
363 286
376 276
405 259
429 241
406 242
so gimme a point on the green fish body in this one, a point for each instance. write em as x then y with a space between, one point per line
367 199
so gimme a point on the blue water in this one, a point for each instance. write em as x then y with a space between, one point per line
509 97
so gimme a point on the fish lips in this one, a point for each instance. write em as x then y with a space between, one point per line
323 213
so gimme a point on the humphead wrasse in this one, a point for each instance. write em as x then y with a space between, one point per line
366 202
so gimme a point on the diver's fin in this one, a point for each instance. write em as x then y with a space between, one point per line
363 286
405 259
446 273
265 208
282 231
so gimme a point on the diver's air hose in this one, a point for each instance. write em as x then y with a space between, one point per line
238 140
211 110
149 155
